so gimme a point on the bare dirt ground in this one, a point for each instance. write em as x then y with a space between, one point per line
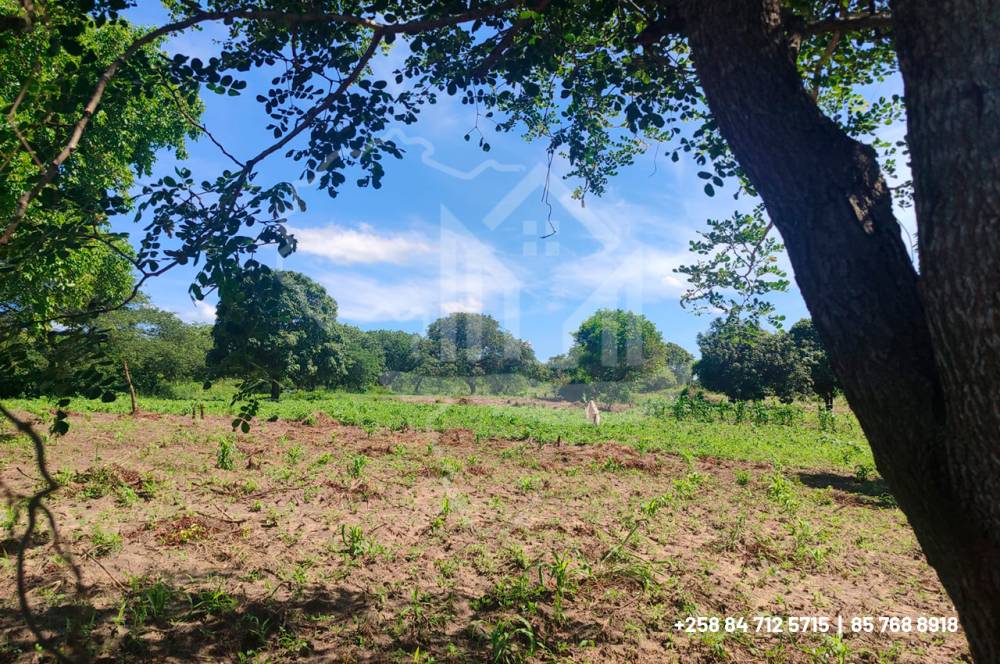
322 543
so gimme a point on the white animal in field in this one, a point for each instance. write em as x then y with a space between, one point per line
593 415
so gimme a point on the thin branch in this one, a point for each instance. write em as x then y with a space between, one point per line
306 120
197 125
508 38
52 169
849 23
818 69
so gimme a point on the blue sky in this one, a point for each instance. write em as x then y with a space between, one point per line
456 229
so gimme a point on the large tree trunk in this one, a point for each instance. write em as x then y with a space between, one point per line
275 390
824 193
949 54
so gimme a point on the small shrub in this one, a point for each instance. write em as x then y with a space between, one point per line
357 467
103 543
225 454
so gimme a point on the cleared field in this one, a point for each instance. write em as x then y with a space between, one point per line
803 442
374 529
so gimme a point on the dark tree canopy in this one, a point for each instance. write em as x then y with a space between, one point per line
363 359
810 347
470 346
745 362
276 326
401 349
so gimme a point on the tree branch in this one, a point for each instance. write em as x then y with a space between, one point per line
850 23
52 169
508 38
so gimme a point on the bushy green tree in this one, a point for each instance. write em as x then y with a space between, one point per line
617 346
60 260
364 358
159 347
470 346
400 349
612 351
745 362
564 368
812 352
678 363
277 326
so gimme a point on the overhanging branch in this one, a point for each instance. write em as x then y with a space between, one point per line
850 23
52 168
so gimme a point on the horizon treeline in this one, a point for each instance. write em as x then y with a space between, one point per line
281 329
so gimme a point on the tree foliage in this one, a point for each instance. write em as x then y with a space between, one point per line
277 327
158 346
746 362
401 350
612 351
470 346
813 354
618 346
61 260
739 269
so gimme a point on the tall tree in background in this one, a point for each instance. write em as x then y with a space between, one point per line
401 351
619 346
158 346
470 346
363 359
810 347
276 326
613 349
745 362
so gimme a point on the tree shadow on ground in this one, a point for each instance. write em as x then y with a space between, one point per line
191 618
867 493
180 619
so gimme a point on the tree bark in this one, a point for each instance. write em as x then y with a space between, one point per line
825 194
275 390
950 61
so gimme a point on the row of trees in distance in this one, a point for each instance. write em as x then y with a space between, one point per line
280 328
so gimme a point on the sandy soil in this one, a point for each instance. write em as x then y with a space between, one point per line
323 543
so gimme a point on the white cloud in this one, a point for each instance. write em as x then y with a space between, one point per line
455 272
199 312
642 273
347 246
